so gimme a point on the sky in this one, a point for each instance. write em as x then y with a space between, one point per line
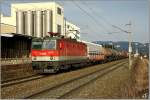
96 17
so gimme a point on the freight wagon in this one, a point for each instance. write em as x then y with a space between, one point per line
95 52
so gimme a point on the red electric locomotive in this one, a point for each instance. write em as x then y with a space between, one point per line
51 54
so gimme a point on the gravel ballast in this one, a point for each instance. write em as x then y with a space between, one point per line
108 87
23 90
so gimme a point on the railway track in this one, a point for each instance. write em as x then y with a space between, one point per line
21 80
67 87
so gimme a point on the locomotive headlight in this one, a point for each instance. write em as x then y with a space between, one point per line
34 58
51 58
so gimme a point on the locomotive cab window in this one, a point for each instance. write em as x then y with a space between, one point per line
36 45
49 44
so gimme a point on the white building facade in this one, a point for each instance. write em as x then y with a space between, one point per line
72 30
56 23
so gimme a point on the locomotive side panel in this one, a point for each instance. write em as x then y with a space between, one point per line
72 52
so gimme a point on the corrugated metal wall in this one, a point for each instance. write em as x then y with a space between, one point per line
15 47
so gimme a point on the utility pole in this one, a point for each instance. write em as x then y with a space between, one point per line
130 39
130 47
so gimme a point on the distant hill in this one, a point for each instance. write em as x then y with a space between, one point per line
123 45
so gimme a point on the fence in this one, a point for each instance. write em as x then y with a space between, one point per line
12 61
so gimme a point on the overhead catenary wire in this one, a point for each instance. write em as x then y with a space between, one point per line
90 8
92 31
104 19
90 16
95 21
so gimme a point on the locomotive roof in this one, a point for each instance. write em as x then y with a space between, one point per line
54 38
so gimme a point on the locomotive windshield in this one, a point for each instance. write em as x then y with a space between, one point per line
49 44
45 44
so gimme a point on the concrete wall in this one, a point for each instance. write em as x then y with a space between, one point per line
5 28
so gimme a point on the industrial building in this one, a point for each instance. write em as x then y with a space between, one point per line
25 9
48 16
71 30
26 21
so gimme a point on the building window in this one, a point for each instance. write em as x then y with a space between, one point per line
67 26
59 29
58 10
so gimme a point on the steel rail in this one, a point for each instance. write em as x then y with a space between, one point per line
72 80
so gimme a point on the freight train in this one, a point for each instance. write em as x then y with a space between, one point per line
51 54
